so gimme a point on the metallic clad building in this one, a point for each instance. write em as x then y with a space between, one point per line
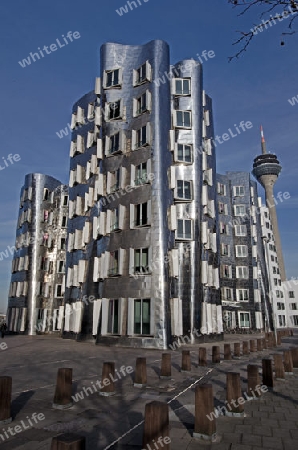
243 270
36 289
141 162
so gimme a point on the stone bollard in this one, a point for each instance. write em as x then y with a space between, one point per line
62 397
227 352
202 356
237 353
233 395
267 372
288 363
215 354
140 373
279 367
291 333
68 441
156 425
5 400
270 340
274 342
186 363
253 381
166 368
245 349
278 338
204 406
264 343
294 352
107 379
252 346
259 345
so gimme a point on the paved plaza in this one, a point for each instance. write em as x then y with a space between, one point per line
116 422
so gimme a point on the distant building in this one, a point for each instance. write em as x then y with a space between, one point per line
38 266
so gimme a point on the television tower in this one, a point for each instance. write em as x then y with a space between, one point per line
266 169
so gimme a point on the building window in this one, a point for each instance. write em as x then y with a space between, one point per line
142 316
184 229
113 317
141 215
114 110
293 306
181 86
225 250
221 189
291 294
65 200
142 104
272 258
280 306
294 320
114 181
239 210
58 290
64 222
227 294
277 294
112 78
244 320
183 191
229 319
113 144
226 271
61 266
114 264
240 230
46 194
141 137
222 208
141 261
182 119
282 321
62 244
141 175
183 153
274 269
223 228
242 272
142 74
275 282
238 191
115 220
242 295
241 251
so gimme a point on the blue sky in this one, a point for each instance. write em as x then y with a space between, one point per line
36 100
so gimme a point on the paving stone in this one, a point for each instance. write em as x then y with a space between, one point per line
234 438
250 439
262 431
289 444
272 443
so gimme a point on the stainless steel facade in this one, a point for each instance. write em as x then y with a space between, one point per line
172 295
33 304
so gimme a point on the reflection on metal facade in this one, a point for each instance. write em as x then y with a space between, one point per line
150 252
36 289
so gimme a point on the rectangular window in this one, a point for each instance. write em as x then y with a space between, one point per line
114 144
239 191
242 272
239 210
242 295
183 191
226 271
59 290
240 230
141 137
221 189
113 317
229 319
142 316
114 180
65 200
141 215
282 321
181 86
225 250
291 294
115 219
61 266
293 306
141 261
244 319
114 110
113 264
241 251
64 222
227 294
112 78
223 228
182 119
141 175
184 229
142 104
183 153
142 74
295 320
